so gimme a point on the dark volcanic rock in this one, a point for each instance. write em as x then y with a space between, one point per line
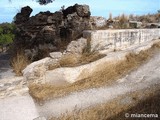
47 32
81 10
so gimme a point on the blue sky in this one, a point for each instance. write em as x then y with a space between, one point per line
97 7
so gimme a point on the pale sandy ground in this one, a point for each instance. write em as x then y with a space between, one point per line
14 108
18 108
24 108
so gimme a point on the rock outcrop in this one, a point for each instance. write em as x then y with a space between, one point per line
47 32
23 16
67 75
36 70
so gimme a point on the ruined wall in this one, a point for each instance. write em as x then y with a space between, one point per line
46 32
119 39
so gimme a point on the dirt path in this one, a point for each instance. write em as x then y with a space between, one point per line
5 68
145 76
18 108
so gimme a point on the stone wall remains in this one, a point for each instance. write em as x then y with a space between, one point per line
47 32
119 39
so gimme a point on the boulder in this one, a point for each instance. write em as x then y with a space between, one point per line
36 70
77 47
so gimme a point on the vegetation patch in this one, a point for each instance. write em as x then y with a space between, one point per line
19 62
105 74
6 34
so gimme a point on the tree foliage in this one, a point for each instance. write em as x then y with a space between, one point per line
6 33
41 2
44 2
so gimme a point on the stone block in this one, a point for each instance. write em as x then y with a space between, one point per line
77 47
119 39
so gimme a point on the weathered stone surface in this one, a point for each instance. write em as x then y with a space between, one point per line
77 47
55 55
37 69
119 39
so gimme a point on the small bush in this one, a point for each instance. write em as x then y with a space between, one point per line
19 62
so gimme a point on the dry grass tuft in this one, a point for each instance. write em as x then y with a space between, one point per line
19 62
91 57
72 60
105 74
43 89
69 60
53 66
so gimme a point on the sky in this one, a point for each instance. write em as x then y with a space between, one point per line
98 7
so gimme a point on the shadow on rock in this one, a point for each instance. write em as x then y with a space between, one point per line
5 68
